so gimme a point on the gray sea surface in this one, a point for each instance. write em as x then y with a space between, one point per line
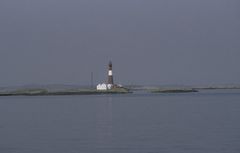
204 122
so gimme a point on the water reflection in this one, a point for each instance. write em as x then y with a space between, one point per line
104 125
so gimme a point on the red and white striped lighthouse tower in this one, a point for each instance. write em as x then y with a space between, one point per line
110 73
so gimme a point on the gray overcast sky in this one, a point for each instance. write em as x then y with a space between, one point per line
191 42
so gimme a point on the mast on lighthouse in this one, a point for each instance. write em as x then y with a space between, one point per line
110 73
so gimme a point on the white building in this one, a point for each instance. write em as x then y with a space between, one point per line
104 86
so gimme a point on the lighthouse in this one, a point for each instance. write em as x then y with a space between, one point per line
109 84
110 73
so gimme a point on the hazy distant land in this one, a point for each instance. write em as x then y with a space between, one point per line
173 90
172 87
179 89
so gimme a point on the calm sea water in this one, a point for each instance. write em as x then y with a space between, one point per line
205 122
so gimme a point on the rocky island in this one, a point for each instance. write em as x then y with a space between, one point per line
46 92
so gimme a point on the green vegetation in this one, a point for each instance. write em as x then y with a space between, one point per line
44 92
85 90
27 92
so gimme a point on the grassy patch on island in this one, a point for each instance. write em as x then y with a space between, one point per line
44 92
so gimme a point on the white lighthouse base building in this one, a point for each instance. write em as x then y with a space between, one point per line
104 86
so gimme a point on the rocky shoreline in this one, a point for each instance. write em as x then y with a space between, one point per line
45 92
